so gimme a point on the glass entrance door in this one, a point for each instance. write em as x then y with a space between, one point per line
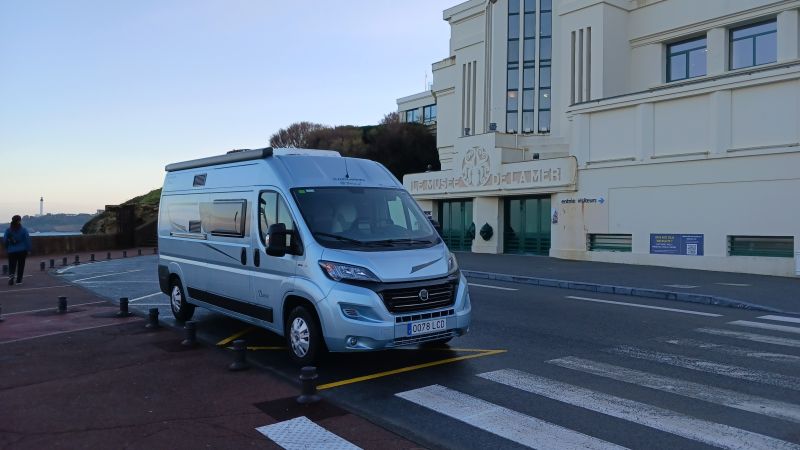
527 225
456 217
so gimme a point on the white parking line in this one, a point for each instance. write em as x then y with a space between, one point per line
145 296
734 284
53 309
107 275
493 287
725 397
765 326
715 434
700 365
780 318
509 424
63 332
636 305
751 337
301 433
34 289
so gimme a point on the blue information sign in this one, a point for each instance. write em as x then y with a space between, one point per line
676 244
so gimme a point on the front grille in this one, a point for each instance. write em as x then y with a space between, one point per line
423 316
411 340
408 299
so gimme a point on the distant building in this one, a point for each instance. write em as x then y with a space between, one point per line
662 132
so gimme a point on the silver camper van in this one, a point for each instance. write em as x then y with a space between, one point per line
330 252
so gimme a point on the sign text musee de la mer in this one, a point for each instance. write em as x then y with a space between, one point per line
479 171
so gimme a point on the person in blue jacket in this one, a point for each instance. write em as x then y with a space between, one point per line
18 243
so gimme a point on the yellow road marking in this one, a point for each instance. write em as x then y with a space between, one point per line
235 336
267 348
408 369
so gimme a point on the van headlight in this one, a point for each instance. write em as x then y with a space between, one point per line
452 264
338 271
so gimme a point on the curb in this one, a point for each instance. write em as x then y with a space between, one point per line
625 290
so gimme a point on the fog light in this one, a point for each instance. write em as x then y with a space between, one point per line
352 341
350 312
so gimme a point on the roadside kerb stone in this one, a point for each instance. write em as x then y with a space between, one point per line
624 290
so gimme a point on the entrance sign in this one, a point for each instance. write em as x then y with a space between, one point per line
479 170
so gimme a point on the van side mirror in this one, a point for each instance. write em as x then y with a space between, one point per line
277 239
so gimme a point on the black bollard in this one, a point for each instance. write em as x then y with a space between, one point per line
52 263
123 308
191 334
308 390
124 253
62 305
140 252
152 319
155 250
108 255
91 257
1 313
64 261
239 356
42 266
77 260
5 269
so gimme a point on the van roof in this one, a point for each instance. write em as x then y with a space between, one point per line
247 155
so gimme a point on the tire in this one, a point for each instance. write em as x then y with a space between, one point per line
181 309
303 336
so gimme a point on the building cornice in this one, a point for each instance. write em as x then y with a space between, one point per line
571 6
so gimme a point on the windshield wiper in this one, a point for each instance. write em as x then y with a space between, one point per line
339 237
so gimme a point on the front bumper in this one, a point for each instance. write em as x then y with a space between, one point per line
374 328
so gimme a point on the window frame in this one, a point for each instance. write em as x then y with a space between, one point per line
295 244
752 37
687 57
242 232
427 117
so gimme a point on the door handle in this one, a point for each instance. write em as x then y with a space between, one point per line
244 256
256 257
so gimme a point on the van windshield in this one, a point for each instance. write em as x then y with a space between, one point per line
365 218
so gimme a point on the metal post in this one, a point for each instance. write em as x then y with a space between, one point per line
191 334
124 253
64 261
91 257
152 319
62 305
77 259
108 255
1 313
123 308
52 263
140 252
308 381
42 266
239 356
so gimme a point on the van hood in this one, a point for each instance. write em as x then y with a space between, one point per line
399 265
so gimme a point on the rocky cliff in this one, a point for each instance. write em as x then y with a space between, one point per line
145 211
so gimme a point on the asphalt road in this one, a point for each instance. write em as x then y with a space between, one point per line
548 368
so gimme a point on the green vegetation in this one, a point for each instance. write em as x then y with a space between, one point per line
145 211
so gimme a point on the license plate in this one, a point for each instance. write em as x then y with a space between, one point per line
428 326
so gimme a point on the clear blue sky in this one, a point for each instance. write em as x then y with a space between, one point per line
97 96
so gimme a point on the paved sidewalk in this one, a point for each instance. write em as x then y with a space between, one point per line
86 379
770 293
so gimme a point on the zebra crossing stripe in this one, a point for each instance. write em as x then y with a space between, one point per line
710 433
780 318
301 433
766 326
735 351
509 424
724 397
726 370
764 338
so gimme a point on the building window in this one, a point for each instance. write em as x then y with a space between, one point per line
686 59
529 45
609 242
412 115
773 246
753 45
429 114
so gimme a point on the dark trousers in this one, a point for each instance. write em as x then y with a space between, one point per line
16 264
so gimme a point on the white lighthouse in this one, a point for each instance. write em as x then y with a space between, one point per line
41 206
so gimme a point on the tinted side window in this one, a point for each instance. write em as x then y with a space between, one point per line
227 218
272 210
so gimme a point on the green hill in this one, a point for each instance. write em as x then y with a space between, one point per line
146 210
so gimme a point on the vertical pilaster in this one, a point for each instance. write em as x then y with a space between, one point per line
720 109
717 46
788 41
645 131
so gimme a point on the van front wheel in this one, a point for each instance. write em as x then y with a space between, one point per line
181 309
303 336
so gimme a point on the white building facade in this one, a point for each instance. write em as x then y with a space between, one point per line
660 132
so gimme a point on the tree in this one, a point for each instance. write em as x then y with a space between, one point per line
295 135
